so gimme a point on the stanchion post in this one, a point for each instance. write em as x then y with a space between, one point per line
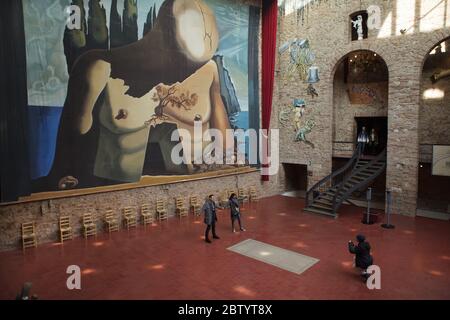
388 225
369 197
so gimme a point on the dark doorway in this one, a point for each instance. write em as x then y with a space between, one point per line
376 128
434 191
296 176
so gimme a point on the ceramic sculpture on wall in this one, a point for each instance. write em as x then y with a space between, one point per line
313 77
304 130
301 57
284 116
299 108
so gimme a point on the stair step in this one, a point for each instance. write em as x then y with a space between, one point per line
329 199
322 206
366 168
324 201
348 185
344 190
371 164
326 196
368 171
358 179
310 209
362 175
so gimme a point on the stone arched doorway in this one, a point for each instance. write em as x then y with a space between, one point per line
360 99
433 197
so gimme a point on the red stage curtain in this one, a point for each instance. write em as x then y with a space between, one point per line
269 37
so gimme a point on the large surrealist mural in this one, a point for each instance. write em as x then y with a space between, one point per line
105 98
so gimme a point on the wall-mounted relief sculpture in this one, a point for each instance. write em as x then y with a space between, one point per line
304 130
301 58
296 112
313 77
284 116
299 107
441 160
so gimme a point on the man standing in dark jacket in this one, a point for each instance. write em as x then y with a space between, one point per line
210 217
363 258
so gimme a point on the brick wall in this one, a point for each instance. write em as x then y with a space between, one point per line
327 27
435 113
46 213
344 125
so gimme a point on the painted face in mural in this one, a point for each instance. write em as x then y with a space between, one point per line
118 99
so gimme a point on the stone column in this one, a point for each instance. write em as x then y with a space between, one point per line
403 136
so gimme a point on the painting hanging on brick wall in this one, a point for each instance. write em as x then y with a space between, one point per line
441 160
110 81
367 93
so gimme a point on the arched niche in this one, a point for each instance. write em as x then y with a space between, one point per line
360 99
434 131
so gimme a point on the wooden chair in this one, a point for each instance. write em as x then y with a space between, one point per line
129 215
111 221
223 199
161 210
230 192
65 230
180 209
195 205
242 195
28 235
253 194
147 216
89 226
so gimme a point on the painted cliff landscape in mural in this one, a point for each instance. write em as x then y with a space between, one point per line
105 98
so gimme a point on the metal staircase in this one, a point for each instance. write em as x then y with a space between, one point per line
327 195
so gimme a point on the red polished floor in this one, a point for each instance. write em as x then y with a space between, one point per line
171 261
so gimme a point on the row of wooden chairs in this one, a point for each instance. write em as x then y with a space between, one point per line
130 216
130 219
242 194
89 228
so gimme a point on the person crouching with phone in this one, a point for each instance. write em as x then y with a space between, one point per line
363 259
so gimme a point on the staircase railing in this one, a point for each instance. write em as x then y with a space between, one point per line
336 177
340 197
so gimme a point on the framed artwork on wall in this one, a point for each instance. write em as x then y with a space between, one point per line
441 160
